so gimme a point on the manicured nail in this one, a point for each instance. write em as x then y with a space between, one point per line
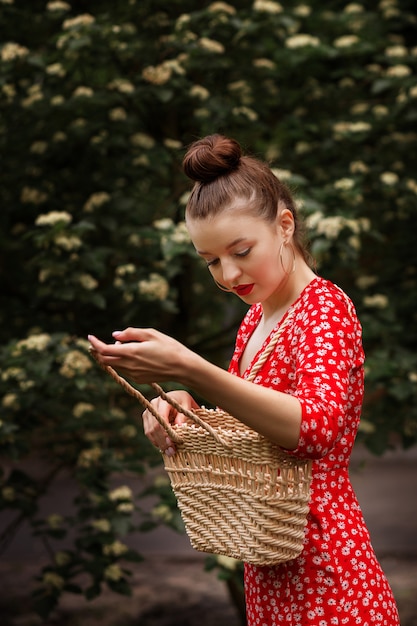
116 333
168 441
170 451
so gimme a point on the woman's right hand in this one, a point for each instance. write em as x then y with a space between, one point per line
154 431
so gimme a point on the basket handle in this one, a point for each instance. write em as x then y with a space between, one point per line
148 405
269 348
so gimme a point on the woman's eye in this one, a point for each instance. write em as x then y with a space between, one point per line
243 253
213 262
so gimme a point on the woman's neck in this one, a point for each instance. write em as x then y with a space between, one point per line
275 307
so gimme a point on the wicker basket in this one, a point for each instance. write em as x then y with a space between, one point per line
239 494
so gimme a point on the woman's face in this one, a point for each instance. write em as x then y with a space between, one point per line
242 252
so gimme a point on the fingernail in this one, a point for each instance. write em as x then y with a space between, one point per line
168 441
116 333
170 451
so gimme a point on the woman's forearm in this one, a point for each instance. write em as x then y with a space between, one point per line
145 355
273 414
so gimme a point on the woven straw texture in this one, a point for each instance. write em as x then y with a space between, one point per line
239 494
248 501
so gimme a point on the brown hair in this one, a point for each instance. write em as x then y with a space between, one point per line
222 175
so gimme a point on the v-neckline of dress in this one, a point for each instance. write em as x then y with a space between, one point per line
272 332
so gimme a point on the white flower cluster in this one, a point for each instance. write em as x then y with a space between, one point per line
345 128
37 342
118 114
211 45
87 282
163 513
302 10
117 548
38 147
82 92
389 178
80 20
51 580
124 270
75 362
30 195
121 85
89 457
160 74
346 41
263 63
344 184
365 281
247 112
302 40
34 94
332 225
81 408
165 223
121 493
113 572
96 200
11 51
10 401
221 7
155 288
398 71
411 184
282 174
58 5
16 373
377 301
267 6
102 525
125 494
52 218
353 7
142 140
68 242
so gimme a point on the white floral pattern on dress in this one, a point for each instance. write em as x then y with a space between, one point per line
337 580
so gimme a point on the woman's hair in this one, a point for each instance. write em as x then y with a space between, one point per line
223 175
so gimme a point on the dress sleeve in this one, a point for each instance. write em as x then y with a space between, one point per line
328 374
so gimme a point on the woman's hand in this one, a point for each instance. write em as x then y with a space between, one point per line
154 431
143 355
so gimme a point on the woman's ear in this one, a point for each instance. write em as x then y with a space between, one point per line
286 223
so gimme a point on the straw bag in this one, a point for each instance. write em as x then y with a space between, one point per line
239 494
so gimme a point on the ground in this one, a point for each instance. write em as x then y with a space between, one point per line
171 588
174 591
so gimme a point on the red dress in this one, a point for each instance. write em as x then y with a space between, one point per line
337 579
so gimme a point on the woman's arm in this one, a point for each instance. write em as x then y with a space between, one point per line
146 355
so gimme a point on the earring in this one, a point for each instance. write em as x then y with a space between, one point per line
220 286
292 270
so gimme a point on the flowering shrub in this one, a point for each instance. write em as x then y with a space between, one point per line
97 108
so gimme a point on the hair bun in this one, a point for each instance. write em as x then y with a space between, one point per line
211 157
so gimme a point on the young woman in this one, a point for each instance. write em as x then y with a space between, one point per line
307 396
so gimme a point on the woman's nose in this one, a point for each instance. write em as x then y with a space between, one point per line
231 273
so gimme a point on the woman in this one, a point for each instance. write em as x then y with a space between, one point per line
307 396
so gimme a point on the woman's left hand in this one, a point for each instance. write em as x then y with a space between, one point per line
143 355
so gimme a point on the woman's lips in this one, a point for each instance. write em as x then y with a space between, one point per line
243 290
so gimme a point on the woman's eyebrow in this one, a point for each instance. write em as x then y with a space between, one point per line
229 245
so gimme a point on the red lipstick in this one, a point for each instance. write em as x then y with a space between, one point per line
243 290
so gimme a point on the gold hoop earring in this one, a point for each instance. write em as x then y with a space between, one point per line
292 270
220 286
